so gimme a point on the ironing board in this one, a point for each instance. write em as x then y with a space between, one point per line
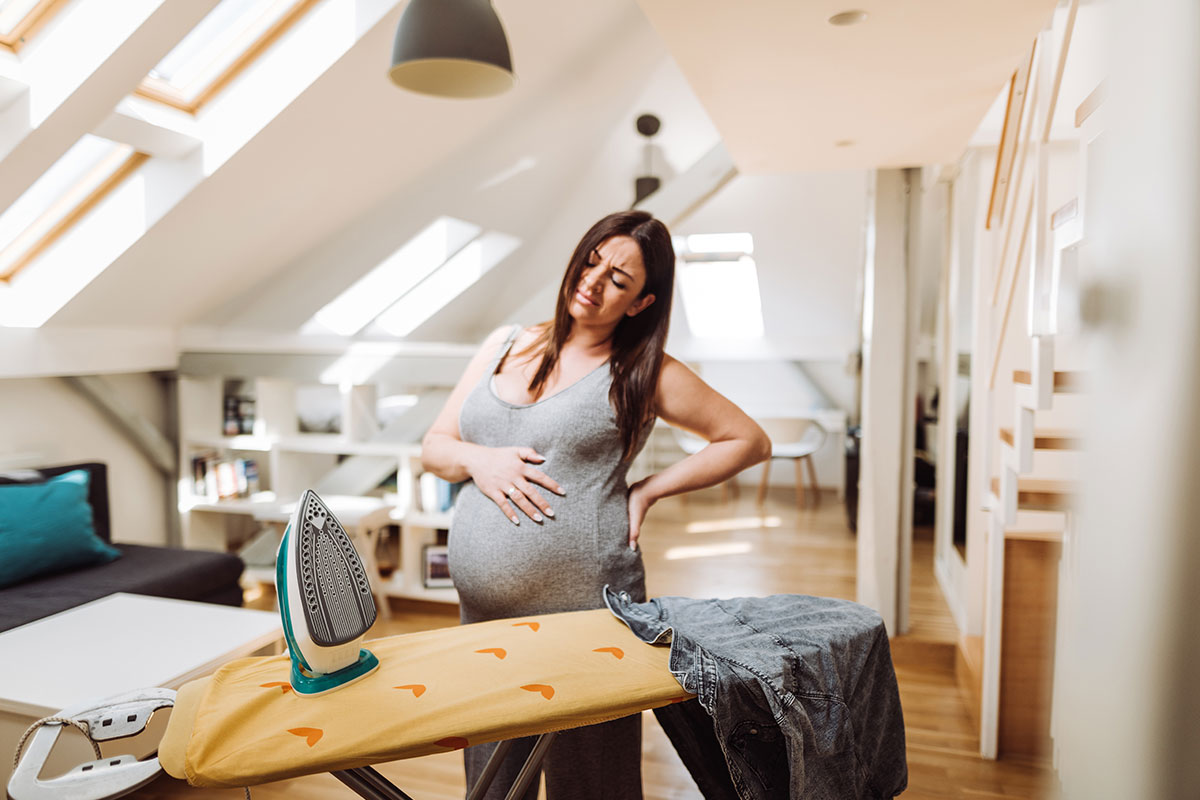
435 691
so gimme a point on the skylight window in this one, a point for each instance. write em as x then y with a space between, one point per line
64 194
225 42
721 299
448 282
19 19
353 309
416 281
719 243
13 12
719 283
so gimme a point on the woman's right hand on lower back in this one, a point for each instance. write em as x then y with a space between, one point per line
508 477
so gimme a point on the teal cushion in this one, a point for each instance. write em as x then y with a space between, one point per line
47 527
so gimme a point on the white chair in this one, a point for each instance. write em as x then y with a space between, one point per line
797 439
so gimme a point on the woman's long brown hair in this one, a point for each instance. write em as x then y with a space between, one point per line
638 341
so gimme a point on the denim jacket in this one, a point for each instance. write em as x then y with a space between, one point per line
801 693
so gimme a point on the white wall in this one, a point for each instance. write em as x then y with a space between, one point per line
1130 709
766 389
808 235
808 245
43 421
807 228
931 247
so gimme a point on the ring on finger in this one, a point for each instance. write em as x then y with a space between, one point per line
512 491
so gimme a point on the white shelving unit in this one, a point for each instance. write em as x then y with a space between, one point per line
290 462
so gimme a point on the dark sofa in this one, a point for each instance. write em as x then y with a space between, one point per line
158 571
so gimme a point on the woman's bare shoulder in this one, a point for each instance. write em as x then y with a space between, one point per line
497 336
673 370
678 387
527 337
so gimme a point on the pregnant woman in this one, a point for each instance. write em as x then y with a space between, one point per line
545 422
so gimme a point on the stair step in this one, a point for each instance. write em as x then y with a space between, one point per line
1067 212
1040 494
1046 526
1033 536
1065 382
1045 438
921 653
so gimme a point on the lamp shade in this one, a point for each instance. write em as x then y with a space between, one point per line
451 48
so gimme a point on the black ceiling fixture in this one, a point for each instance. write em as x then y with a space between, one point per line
647 184
451 48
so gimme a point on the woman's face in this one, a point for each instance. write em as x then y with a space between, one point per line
611 283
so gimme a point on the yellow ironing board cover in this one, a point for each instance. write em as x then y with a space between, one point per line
434 691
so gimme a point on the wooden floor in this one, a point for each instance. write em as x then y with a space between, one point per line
708 548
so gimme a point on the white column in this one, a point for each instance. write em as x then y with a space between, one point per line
886 407
359 419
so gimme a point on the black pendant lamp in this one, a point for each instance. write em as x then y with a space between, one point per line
451 48
647 184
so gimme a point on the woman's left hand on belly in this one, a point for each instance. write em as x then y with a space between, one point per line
639 503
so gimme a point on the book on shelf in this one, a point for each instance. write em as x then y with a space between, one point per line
239 415
435 571
215 478
226 480
437 494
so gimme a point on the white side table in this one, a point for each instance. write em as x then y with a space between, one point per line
111 645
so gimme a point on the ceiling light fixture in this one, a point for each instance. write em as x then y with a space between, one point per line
451 48
646 184
848 18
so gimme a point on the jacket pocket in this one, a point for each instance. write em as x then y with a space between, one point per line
761 754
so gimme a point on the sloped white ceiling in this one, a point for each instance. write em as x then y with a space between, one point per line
512 176
346 144
354 166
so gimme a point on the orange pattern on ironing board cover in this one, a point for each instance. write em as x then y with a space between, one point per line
546 691
498 652
311 735
588 664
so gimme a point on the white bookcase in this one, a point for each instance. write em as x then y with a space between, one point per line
290 462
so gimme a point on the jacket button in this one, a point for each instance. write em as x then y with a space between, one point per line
754 731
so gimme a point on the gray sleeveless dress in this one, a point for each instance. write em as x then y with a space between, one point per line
561 564
505 570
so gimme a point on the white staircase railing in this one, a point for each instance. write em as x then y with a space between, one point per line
1046 242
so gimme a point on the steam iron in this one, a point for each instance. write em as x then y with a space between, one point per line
324 599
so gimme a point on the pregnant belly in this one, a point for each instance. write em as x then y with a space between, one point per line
506 570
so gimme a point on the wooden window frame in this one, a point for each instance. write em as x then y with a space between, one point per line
81 209
1018 91
161 91
30 24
